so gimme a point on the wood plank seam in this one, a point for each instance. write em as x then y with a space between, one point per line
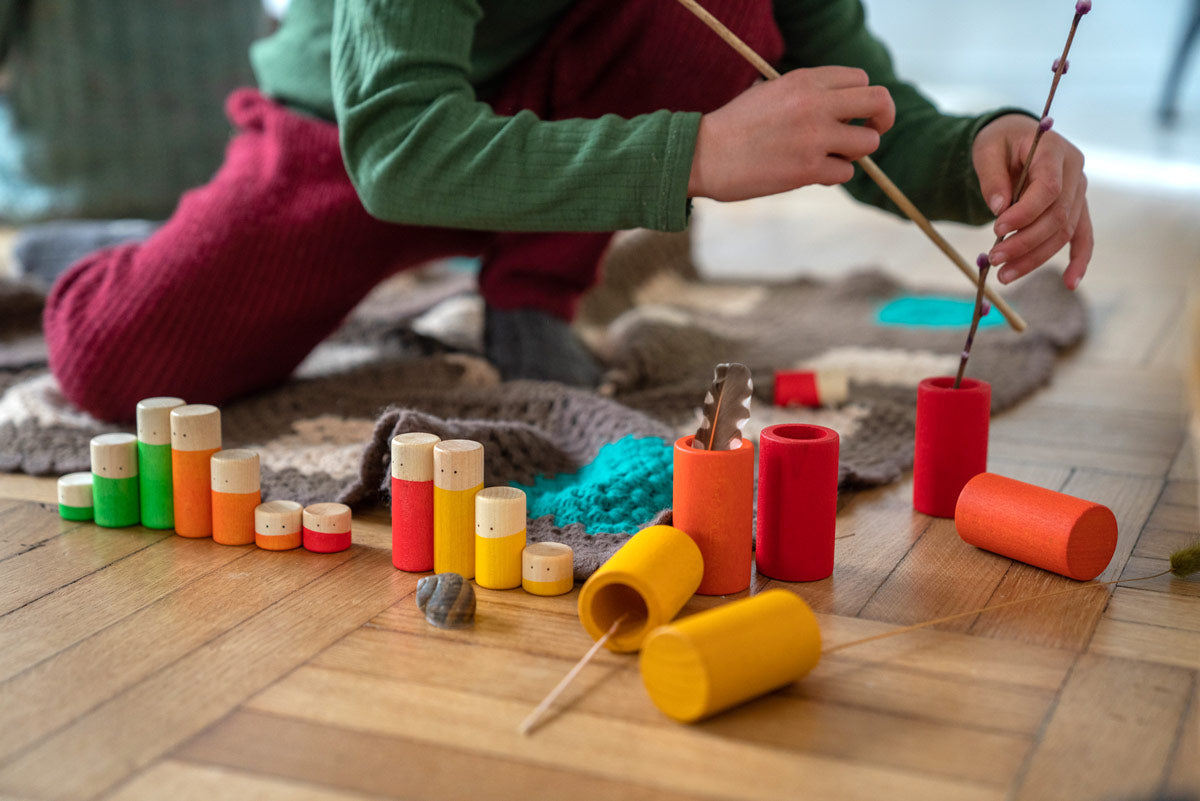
893 569
33 744
1027 763
1179 739
281 676
196 577
78 578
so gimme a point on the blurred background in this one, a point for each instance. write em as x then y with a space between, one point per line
972 56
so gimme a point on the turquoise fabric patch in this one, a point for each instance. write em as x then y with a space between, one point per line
933 312
626 485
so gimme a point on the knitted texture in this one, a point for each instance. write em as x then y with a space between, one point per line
628 483
324 434
113 109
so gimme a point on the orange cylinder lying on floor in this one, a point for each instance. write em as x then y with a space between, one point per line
713 501
708 662
236 493
195 437
646 582
1041 527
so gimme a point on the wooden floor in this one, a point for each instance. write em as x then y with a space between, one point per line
140 665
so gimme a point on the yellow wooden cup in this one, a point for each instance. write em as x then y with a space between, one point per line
719 658
646 582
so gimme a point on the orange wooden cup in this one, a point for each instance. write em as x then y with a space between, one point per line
713 501
1041 527
195 437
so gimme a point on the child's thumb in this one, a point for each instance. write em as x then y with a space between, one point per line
995 184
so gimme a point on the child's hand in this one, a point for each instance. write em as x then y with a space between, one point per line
1053 209
789 132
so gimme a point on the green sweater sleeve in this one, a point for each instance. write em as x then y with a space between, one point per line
926 153
422 149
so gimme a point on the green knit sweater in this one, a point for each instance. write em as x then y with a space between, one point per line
402 80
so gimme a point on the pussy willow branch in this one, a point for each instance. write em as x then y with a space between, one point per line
1060 66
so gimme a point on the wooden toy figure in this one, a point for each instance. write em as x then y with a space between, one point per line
412 501
277 525
499 537
236 493
115 480
155 485
75 496
457 477
195 437
326 527
548 568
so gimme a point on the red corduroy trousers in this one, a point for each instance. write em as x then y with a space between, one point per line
263 262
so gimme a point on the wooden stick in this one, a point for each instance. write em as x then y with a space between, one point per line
868 166
1014 602
528 724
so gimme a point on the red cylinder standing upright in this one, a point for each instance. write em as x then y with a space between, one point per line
951 442
797 501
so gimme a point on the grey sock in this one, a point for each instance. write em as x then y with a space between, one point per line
529 343
42 252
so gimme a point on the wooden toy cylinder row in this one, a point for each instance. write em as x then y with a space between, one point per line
951 441
1047 529
326 527
797 501
713 501
810 387
195 437
115 480
236 493
277 525
646 582
548 568
499 537
711 661
155 484
412 501
457 477
75 496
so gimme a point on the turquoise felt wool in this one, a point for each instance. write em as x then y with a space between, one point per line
624 487
932 312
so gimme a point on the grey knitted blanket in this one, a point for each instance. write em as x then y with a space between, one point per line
596 464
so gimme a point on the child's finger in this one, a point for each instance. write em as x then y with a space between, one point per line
1052 232
870 103
855 141
995 180
1081 249
839 77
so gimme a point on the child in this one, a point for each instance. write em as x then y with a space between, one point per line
390 132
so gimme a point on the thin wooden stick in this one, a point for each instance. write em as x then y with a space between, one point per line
872 170
529 722
948 618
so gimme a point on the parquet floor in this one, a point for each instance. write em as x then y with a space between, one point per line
140 665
